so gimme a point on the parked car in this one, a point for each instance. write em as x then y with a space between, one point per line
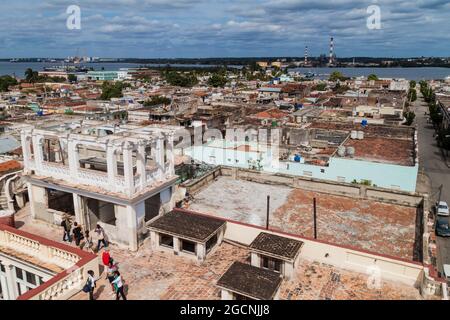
447 272
442 209
442 227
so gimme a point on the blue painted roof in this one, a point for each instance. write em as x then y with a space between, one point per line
8 144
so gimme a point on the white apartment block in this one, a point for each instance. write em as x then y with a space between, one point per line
120 177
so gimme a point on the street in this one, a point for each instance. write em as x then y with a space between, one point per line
433 164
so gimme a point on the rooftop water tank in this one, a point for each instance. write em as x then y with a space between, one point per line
354 134
297 158
351 151
360 135
341 151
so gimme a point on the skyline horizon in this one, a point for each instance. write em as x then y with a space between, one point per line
215 28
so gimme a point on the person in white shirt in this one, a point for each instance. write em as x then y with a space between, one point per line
91 282
118 282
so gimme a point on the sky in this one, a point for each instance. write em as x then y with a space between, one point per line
219 28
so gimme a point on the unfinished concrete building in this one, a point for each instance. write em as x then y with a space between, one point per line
120 177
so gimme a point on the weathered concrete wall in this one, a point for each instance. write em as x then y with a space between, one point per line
39 204
358 261
335 188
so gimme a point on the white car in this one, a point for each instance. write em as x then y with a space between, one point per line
442 209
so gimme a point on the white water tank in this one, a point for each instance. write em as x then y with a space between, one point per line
351 152
341 151
354 135
360 135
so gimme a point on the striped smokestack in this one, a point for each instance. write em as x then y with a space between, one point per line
331 50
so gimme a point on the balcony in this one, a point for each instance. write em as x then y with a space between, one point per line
40 251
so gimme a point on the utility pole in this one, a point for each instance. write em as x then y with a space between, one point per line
315 219
268 212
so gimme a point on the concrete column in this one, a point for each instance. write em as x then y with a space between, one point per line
111 162
26 152
80 217
74 159
201 251
4 285
131 229
128 169
11 281
159 158
176 245
154 239
227 295
141 165
31 199
38 154
255 260
170 155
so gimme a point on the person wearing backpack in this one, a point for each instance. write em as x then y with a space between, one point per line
118 284
90 284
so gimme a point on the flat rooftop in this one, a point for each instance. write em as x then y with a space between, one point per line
159 275
374 226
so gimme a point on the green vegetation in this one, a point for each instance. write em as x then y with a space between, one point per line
409 116
218 80
72 78
187 79
156 101
34 77
320 87
112 90
338 89
373 77
6 82
412 84
337 76
412 95
363 182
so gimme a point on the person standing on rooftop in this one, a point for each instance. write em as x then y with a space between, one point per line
101 237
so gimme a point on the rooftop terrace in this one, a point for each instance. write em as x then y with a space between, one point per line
156 275
363 224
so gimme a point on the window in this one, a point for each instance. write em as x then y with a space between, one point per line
2 268
271 264
41 280
19 289
188 246
166 241
211 243
31 278
19 274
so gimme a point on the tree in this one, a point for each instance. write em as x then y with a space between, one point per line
409 116
217 80
412 84
113 90
6 82
72 78
181 80
31 76
372 77
412 95
337 76
320 87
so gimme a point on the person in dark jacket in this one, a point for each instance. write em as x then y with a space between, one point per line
77 233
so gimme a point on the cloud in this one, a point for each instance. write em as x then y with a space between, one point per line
202 28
